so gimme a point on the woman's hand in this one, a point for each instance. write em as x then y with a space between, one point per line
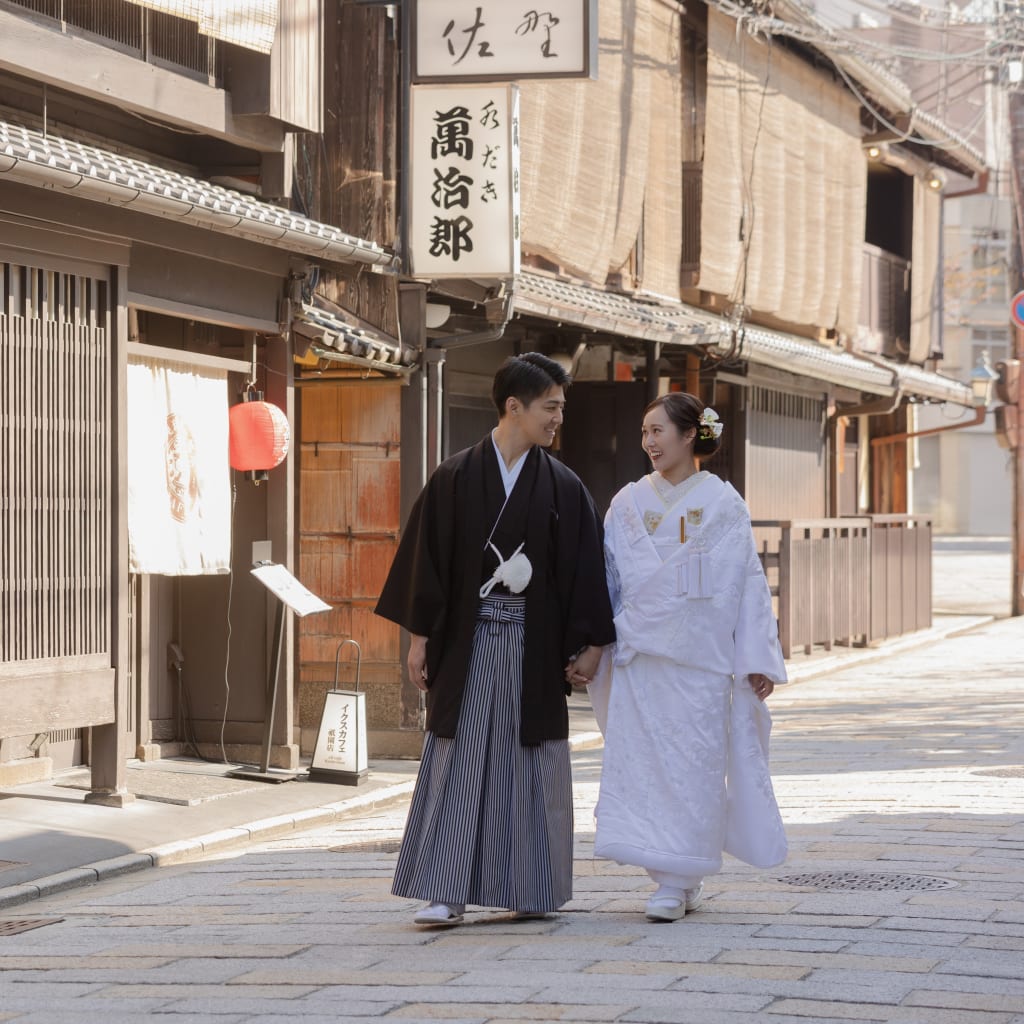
761 685
580 670
416 662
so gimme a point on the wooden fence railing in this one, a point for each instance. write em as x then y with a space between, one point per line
847 581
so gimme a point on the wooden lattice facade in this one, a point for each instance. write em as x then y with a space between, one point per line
55 498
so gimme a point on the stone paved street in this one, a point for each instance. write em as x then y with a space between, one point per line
905 771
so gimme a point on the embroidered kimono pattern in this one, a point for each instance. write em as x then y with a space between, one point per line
685 772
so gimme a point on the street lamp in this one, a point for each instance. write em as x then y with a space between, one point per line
983 381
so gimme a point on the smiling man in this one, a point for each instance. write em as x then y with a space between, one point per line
499 578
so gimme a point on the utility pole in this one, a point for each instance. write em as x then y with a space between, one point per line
1016 111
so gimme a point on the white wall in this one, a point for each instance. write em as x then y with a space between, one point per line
962 476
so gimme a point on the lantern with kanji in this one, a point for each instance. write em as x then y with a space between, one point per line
258 436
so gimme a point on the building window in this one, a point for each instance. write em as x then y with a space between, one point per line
993 340
174 43
989 265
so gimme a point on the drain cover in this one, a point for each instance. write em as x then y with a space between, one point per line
868 881
26 924
1003 773
373 846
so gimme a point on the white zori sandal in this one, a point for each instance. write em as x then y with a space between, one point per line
440 915
663 907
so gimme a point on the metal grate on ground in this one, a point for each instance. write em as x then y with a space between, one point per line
26 924
868 881
372 846
1016 772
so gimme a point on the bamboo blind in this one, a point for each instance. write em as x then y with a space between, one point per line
925 295
54 465
600 160
785 184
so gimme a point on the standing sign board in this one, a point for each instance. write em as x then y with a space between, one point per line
290 594
499 40
340 754
465 181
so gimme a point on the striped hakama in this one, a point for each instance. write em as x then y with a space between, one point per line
490 822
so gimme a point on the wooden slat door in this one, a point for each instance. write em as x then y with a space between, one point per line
348 528
55 492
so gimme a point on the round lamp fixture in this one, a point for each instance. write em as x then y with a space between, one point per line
259 435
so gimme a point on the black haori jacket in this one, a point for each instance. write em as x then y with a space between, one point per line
434 583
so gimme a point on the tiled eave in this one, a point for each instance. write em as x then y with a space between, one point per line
50 161
335 340
586 306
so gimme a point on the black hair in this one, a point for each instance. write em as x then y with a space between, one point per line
526 377
685 411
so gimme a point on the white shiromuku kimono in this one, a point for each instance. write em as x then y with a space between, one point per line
685 773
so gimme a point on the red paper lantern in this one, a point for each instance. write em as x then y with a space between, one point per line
258 435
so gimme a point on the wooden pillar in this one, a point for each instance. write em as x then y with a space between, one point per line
109 743
280 390
412 305
653 351
693 373
1017 507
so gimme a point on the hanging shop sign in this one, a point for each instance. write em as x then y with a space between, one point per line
498 40
464 181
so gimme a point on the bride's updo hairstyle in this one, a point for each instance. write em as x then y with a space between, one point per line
685 411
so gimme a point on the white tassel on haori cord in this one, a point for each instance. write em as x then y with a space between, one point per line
515 573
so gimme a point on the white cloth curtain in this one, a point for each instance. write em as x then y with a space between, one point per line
179 480
248 23
785 184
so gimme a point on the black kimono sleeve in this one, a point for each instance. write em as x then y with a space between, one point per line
416 591
587 607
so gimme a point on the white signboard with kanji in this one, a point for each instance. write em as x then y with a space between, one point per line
499 40
464 181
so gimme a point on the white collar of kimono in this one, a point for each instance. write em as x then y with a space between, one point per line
671 493
515 571
508 476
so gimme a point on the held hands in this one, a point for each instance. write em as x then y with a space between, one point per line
416 662
580 670
762 686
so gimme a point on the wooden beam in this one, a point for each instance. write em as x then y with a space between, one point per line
102 73
176 355
205 315
49 702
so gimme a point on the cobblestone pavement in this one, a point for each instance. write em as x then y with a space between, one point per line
900 780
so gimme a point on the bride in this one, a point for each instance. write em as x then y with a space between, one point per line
680 696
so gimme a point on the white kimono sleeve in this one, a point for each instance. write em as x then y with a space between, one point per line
757 631
600 688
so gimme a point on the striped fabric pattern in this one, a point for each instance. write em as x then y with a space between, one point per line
490 823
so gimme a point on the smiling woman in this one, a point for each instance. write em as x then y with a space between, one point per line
680 695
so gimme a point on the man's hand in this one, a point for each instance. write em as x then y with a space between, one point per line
580 671
417 662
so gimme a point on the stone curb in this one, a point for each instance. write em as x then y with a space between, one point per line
181 851
866 655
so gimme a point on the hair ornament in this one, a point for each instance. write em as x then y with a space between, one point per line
711 427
